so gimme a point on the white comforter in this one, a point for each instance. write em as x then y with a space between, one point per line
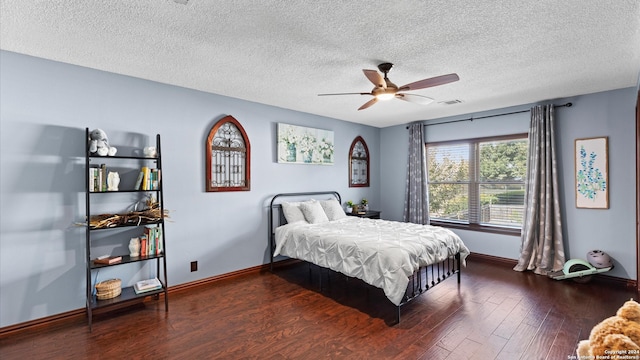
382 253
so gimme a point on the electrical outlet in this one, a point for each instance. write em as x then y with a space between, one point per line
194 266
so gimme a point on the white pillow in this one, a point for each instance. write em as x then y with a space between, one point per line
333 209
313 212
292 212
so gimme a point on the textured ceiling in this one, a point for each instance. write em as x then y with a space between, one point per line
284 53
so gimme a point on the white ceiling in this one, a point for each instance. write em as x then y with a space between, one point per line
284 53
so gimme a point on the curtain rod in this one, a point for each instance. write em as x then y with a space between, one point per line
490 116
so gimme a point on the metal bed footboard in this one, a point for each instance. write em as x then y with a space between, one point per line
429 276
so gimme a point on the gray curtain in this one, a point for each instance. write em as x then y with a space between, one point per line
416 200
542 248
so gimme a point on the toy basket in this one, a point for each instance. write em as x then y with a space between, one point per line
108 289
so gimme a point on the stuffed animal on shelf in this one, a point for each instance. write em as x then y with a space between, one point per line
619 334
99 143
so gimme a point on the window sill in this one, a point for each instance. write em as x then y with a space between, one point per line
479 228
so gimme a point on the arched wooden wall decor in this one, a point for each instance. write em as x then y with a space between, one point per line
228 157
359 163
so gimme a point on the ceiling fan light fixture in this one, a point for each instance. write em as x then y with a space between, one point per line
385 96
384 89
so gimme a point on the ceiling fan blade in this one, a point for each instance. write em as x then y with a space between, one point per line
434 81
354 93
418 99
375 78
368 103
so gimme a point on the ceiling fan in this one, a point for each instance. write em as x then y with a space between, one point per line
384 89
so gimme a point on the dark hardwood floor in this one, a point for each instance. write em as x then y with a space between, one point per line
495 313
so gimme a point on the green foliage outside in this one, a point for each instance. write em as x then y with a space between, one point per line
503 161
510 197
447 200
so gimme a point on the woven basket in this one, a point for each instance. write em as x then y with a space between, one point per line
108 289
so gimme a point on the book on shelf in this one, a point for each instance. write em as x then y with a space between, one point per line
158 240
139 181
144 243
149 233
92 176
103 177
145 178
108 260
147 285
155 179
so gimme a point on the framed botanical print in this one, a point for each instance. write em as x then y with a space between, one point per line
592 173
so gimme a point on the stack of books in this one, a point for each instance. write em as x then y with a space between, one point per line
150 242
148 179
107 260
144 286
98 178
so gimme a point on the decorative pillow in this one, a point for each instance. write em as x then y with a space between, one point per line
313 212
333 209
292 212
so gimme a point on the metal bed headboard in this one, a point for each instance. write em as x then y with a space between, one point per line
275 206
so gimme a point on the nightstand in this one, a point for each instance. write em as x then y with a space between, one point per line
371 214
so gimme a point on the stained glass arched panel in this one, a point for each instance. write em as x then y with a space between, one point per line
228 157
359 163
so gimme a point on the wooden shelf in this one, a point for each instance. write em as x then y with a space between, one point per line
123 157
122 191
127 225
128 294
126 259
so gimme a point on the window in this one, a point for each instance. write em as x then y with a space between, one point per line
478 184
228 157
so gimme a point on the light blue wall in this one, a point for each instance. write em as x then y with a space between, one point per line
610 113
45 106
44 109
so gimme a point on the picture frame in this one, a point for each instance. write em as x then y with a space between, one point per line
591 157
304 145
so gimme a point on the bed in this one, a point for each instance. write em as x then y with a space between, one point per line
402 259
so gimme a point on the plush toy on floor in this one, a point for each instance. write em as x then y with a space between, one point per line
619 334
99 143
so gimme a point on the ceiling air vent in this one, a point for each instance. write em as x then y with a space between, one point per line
183 2
450 102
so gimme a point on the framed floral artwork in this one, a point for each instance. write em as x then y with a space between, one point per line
304 145
592 173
